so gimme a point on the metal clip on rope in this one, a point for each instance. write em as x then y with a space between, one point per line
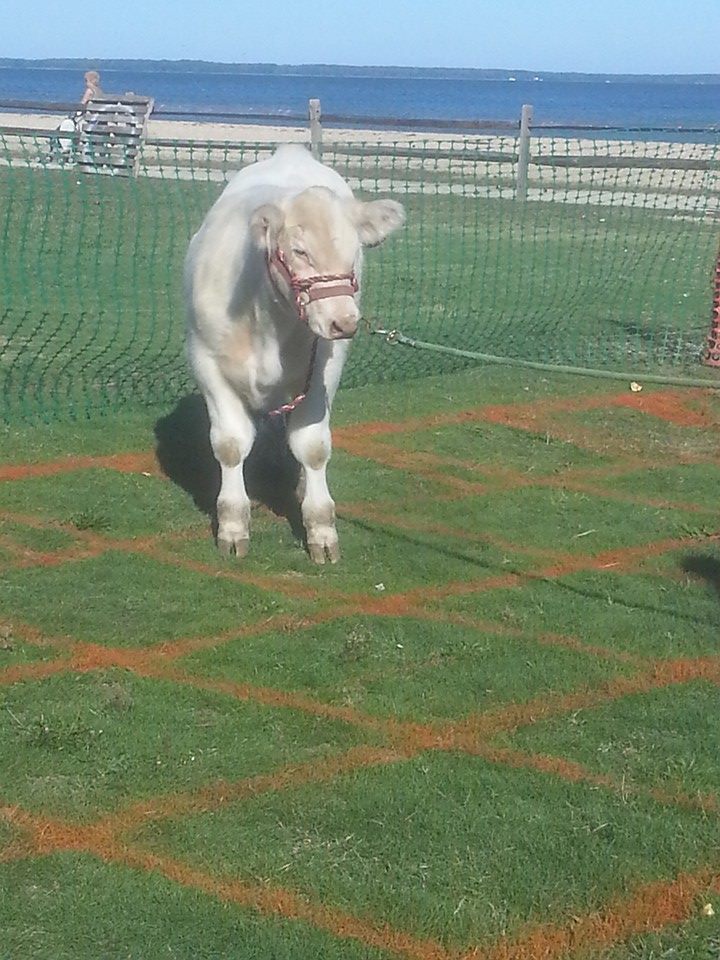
391 336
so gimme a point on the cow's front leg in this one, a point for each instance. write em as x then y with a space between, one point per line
233 504
232 433
311 446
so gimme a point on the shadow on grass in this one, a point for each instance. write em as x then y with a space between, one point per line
441 549
185 456
704 566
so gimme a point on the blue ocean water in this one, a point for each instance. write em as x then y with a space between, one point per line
625 103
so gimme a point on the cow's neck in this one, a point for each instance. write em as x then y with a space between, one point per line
284 348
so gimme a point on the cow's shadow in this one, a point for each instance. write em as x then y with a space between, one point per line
706 567
185 456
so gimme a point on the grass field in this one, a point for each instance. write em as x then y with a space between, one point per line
489 733
91 314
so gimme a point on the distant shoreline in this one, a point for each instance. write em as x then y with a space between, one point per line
350 71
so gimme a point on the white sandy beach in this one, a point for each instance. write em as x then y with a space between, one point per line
228 132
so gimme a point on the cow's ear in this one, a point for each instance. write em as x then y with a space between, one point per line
265 225
376 219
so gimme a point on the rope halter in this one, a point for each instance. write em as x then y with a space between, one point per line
317 287
320 286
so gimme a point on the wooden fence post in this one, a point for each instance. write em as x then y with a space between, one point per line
526 117
315 129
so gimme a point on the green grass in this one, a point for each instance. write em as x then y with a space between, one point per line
697 940
71 907
448 847
404 668
561 519
102 501
640 433
663 738
14 651
81 745
372 555
638 613
692 483
46 538
7 835
358 836
489 445
133 600
20 443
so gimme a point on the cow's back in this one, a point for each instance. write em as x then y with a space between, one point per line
290 170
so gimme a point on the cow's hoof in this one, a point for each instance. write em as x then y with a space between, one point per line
233 548
318 551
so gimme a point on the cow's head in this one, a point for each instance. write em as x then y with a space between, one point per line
312 245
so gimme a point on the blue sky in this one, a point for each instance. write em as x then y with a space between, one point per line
612 36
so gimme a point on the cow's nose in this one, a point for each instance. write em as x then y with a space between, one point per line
344 326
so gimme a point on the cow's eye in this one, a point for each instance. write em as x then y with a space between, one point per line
300 252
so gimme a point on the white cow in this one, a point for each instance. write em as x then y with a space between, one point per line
272 287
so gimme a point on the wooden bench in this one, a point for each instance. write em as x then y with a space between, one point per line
111 133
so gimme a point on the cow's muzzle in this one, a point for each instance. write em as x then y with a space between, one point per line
321 286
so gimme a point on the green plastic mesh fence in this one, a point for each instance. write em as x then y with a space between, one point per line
604 262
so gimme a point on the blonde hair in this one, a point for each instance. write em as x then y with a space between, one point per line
92 77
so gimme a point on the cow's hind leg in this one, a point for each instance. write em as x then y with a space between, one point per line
232 433
311 446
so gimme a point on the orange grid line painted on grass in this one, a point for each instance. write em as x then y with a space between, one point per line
508 414
24 556
26 633
92 657
137 462
283 622
574 772
618 559
504 479
403 734
278 583
26 559
91 544
418 464
668 405
279 901
478 729
407 603
650 908
15 850
157 547
541 416
671 406
216 795
468 735
32 671
544 639
621 496
96 543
